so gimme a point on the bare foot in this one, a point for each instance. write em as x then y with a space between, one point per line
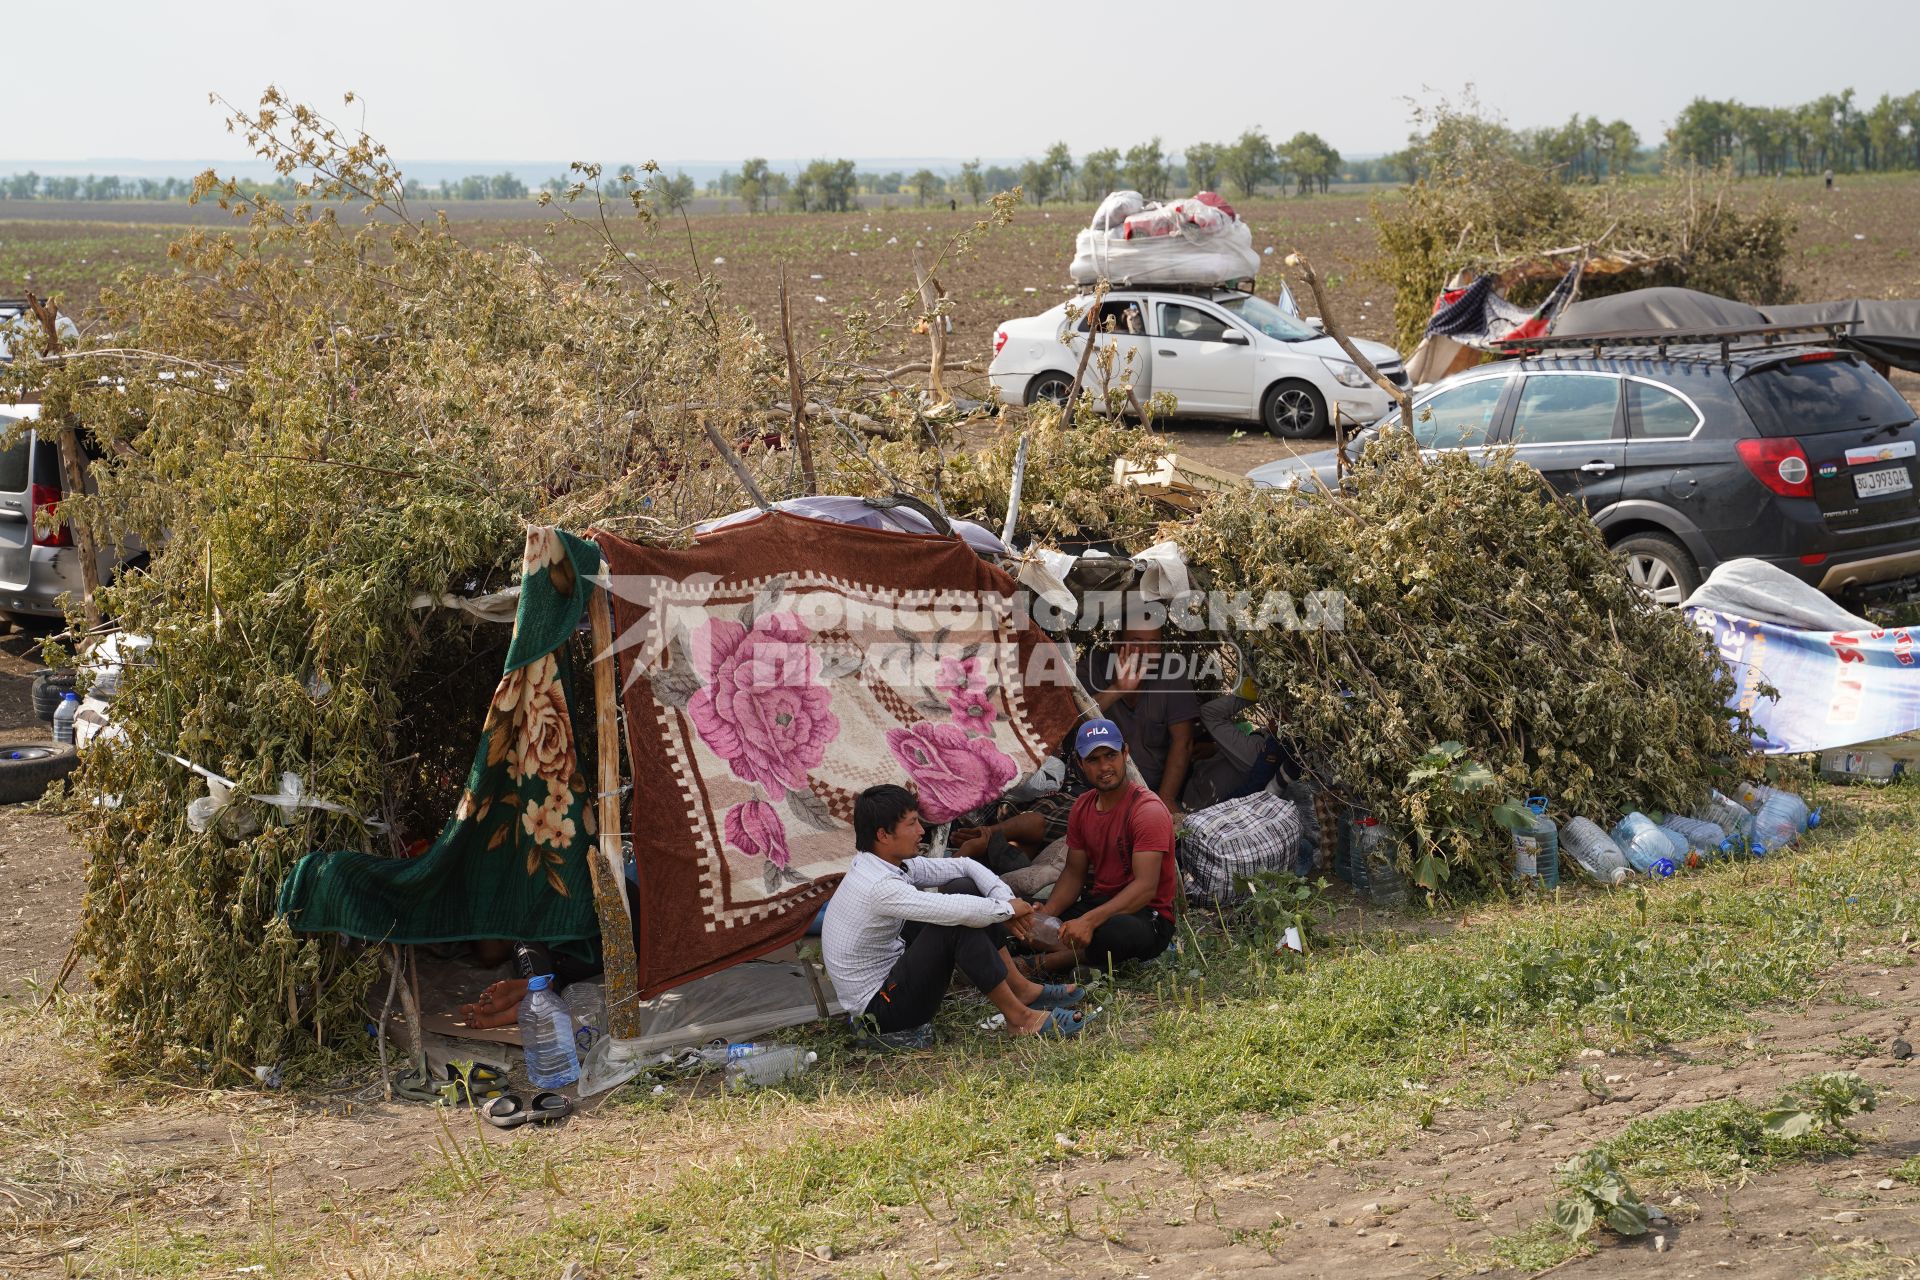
498 1005
1030 1025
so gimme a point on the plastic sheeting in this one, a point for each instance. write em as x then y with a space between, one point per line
1763 592
1189 255
859 513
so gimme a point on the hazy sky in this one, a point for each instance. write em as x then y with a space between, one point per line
723 79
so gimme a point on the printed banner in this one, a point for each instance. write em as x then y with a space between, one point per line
1831 688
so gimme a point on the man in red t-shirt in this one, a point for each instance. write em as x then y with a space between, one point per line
1115 897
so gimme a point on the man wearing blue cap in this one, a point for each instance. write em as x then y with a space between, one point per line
1115 896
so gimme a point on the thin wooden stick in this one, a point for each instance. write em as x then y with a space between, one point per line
731 456
802 436
609 871
1339 335
1080 371
1013 494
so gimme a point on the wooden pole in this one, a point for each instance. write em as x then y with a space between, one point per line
1339 335
1080 370
609 867
731 456
802 436
936 330
1013 495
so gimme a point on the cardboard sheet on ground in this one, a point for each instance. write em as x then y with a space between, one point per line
776 669
1838 679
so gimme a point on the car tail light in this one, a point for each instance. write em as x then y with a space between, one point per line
1781 465
46 496
999 341
1815 357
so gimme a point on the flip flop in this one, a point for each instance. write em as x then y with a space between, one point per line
1058 995
1062 1024
474 1082
506 1112
549 1108
415 1087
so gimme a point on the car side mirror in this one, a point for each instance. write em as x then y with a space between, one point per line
1236 336
1315 322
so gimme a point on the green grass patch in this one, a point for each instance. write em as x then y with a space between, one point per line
1225 1038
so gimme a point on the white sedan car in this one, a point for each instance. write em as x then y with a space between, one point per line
1219 353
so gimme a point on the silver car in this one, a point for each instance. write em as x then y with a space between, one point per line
37 566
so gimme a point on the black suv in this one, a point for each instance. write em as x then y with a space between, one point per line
1688 454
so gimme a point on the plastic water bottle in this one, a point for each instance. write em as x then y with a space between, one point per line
768 1064
63 715
1594 851
1777 824
1875 767
1755 795
1703 840
1649 850
1372 855
546 1036
1045 931
1729 816
1300 796
1536 847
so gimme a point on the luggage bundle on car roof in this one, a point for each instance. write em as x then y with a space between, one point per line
1132 241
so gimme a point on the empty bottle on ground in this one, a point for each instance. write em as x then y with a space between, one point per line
1860 766
1704 840
769 1064
1727 814
63 714
1536 846
546 1036
1649 850
1755 796
1373 850
1777 824
1594 851
1300 796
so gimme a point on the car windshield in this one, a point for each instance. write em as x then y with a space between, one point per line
1811 396
1267 318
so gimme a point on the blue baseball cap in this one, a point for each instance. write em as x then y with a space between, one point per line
1095 734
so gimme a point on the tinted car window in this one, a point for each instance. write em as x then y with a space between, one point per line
1802 398
1190 323
1655 413
13 458
1458 417
1565 408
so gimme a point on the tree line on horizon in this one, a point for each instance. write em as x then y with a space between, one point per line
1832 131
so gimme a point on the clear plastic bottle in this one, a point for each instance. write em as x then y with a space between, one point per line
1875 767
1649 849
1777 823
1704 840
767 1064
546 1036
63 714
1727 814
1755 795
1300 796
1374 846
1594 851
1045 931
1536 847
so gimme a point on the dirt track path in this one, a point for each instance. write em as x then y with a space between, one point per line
1434 1204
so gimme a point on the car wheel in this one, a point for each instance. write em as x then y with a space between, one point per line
1051 387
1294 410
25 772
1659 566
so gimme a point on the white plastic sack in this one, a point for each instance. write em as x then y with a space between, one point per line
1762 592
1168 259
1111 216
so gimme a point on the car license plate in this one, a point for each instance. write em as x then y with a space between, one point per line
1873 484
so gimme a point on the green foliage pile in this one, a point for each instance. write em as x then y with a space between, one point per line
1480 609
1482 201
315 418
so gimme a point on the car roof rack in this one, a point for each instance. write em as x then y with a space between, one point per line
1243 284
1730 341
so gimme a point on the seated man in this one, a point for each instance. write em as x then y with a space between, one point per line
891 949
1155 711
1115 897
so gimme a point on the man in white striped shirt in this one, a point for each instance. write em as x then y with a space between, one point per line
891 948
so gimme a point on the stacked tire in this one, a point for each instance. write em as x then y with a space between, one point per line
48 686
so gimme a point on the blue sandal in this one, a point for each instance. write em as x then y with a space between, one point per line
1058 995
1062 1023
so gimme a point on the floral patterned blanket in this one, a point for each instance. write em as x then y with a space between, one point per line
512 861
775 670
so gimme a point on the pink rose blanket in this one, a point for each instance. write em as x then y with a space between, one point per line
772 672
